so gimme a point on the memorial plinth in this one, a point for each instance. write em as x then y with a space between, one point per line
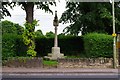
55 50
55 54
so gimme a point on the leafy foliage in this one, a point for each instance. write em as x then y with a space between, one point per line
8 45
50 34
28 37
4 11
89 45
20 47
90 17
38 33
69 45
10 32
9 27
98 45
40 5
29 34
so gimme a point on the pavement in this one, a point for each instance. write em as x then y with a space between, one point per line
59 74
21 70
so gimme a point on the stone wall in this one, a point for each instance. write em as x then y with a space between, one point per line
62 63
24 62
86 63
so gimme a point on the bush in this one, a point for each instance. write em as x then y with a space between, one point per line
8 45
11 28
43 45
98 45
21 48
14 46
69 45
94 45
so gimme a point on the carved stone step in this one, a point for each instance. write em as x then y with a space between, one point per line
49 55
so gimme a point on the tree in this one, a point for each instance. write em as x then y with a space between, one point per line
61 34
50 34
19 28
39 33
29 34
9 27
28 7
89 17
3 10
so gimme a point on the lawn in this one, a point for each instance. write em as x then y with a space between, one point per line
51 63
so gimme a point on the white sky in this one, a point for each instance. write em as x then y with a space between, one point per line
45 19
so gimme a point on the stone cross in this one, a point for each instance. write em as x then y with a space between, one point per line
55 23
55 50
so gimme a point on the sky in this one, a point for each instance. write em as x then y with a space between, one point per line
45 19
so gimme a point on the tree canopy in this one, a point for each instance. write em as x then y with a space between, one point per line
39 33
50 34
90 17
28 6
9 27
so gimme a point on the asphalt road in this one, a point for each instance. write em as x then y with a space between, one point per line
83 76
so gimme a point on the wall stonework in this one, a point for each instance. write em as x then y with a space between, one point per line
62 63
86 63
24 62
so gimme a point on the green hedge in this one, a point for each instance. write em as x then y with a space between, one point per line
93 45
43 46
98 45
69 45
13 45
21 48
8 45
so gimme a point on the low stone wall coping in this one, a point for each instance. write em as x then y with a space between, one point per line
85 63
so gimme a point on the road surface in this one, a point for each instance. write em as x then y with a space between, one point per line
62 76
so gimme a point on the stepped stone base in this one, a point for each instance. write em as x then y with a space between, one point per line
55 54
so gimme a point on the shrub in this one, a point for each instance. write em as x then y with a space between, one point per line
21 48
43 45
98 45
13 45
11 28
8 45
69 45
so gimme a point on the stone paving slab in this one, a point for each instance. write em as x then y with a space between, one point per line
55 70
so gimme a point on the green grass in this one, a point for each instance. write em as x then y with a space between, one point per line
50 63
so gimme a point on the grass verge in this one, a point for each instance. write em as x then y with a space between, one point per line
50 63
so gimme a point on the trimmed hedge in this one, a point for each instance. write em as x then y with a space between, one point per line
12 45
90 45
8 45
43 46
98 45
21 48
69 45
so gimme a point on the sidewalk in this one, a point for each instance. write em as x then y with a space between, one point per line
55 70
